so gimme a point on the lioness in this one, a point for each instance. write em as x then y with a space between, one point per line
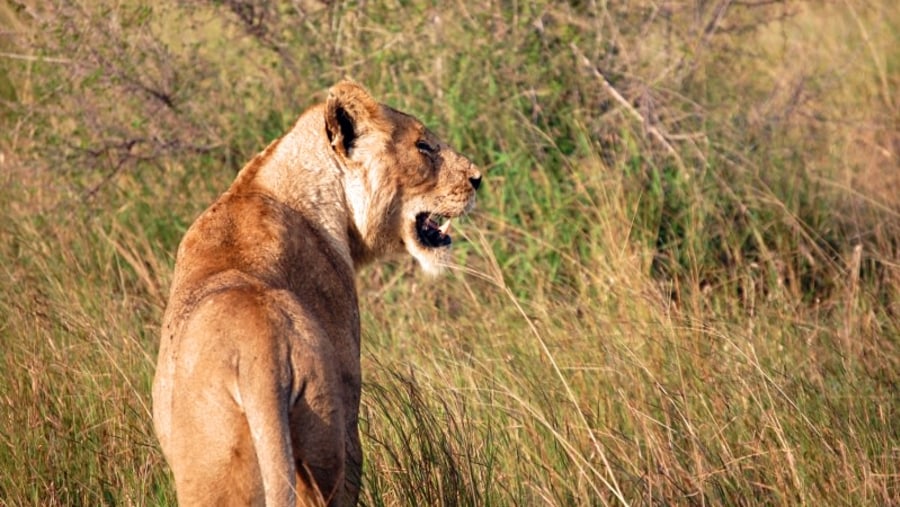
256 394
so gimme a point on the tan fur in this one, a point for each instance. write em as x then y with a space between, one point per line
257 387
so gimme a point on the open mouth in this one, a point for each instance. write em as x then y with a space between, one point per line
432 230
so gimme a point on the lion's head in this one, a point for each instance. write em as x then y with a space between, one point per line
403 185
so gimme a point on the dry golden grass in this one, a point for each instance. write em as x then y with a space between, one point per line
681 287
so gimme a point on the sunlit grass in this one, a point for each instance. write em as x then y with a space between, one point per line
687 295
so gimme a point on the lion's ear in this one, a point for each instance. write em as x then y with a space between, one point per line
349 111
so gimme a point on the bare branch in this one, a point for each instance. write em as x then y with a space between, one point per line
651 129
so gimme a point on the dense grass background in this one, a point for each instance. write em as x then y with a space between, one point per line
681 287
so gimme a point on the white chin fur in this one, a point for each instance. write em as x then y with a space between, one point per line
433 263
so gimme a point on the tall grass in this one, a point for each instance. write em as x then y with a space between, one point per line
681 286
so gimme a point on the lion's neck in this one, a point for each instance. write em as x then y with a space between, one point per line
297 171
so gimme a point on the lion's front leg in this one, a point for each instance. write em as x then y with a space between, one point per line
353 466
318 419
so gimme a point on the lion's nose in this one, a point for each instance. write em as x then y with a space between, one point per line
475 181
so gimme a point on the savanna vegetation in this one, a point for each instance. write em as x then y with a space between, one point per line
681 286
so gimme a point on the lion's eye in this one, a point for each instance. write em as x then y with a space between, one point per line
425 148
